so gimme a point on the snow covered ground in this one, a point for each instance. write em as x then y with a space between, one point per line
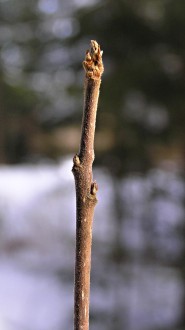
37 246
37 243
37 225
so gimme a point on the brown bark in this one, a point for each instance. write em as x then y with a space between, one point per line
86 188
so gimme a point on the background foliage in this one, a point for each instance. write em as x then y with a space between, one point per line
141 112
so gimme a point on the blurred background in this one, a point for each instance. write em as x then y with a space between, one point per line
138 270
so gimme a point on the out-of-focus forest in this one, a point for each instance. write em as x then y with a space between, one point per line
138 274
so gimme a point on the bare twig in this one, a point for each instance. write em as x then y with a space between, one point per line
86 188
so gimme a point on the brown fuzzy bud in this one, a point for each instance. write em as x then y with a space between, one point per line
94 188
76 160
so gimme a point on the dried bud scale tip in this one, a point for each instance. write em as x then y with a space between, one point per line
94 47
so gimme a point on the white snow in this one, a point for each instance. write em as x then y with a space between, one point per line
37 246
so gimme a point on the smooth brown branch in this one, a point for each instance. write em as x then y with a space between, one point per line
86 188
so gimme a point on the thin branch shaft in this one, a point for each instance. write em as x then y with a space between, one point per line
89 118
85 188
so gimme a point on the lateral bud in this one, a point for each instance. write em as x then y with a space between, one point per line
94 188
76 160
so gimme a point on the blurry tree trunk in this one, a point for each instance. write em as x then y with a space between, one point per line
120 315
182 266
2 126
86 188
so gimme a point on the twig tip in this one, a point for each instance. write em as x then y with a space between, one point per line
93 64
